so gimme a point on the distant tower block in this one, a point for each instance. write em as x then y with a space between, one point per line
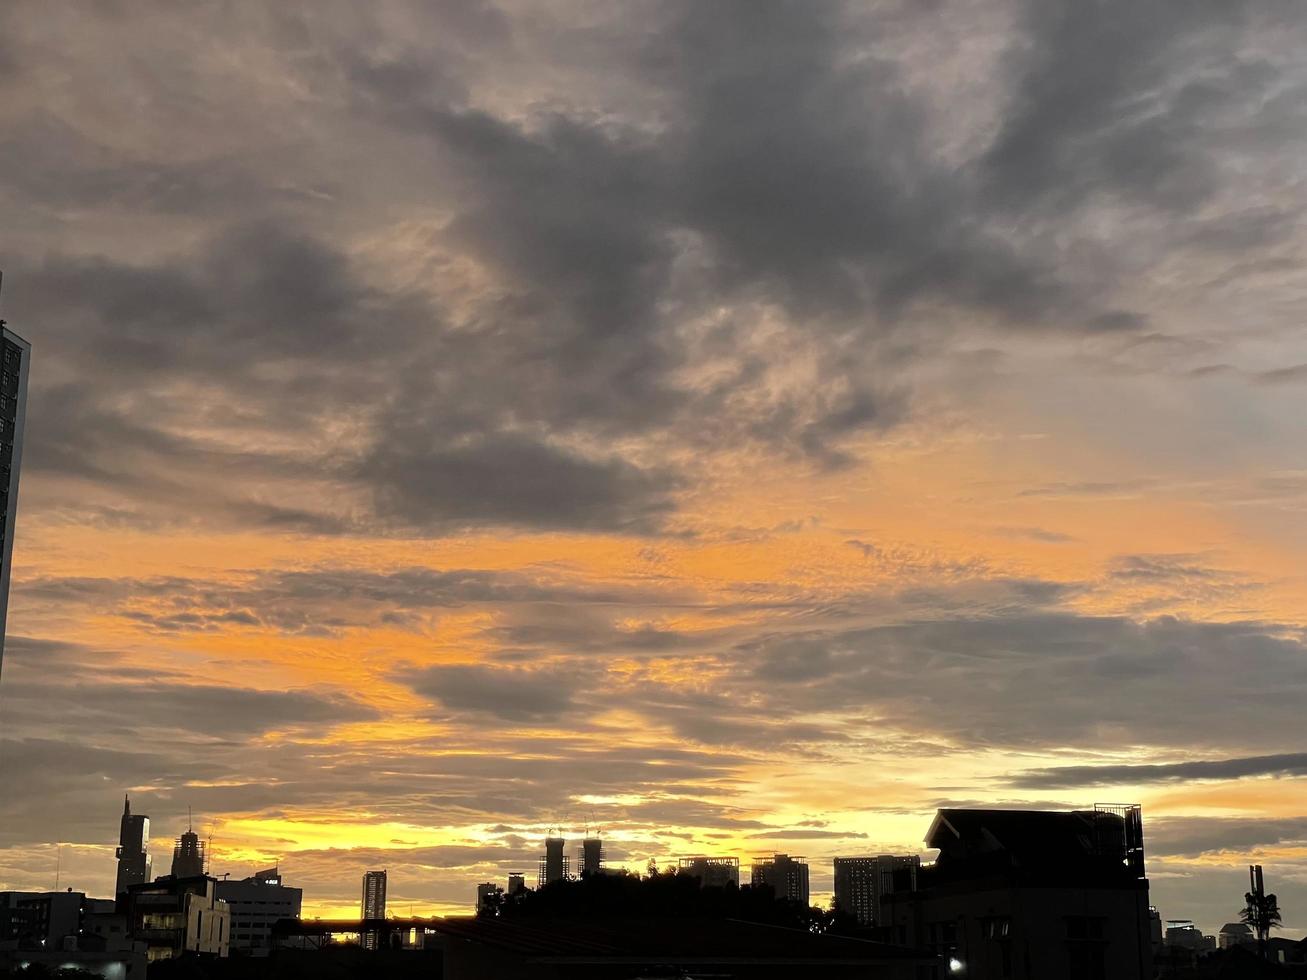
133 849
554 866
592 856
373 905
516 882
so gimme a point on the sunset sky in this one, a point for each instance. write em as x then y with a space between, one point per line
734 426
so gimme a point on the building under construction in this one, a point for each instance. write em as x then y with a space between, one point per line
592 856
190 855
554 865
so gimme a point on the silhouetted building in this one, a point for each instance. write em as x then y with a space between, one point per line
579 949
516 882
178 917
1235 934
1155 930
373 905
787 876
189 856
133 849
554 865
485 894
42 918
1183 934
255 905
15 353
592 856
1029 895
861 881
63 931
712 872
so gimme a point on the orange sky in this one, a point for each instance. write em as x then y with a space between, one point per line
448 425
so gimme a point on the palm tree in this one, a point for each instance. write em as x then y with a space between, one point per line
1261 913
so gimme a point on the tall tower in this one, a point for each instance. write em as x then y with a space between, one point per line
189 857
132 853
15 352
592 856
373 905
554 865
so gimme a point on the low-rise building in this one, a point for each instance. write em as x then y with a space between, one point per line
255 904
177 917
1235 934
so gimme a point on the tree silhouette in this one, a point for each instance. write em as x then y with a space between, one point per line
1261 913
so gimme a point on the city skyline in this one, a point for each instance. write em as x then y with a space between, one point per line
746 429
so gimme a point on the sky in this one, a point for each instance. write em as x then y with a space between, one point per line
734 427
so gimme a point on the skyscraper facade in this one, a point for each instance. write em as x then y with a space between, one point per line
133 849
373 905
554 866
861 881
15 352
788 876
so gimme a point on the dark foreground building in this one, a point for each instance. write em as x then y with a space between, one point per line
1031 895
616 949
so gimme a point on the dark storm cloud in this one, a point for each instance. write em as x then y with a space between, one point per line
324 601
1122 99
1041 679
1067 777
69 689
752 157
530 483
508 693
1194 836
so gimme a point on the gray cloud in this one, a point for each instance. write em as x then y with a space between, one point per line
1066 777
1047 679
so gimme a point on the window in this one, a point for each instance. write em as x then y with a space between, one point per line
1086 947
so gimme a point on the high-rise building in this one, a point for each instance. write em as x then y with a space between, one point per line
15 352
373 905
554 866
712 872
788 876
133 849
861 881
189 857
516 882
255 904
592 856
